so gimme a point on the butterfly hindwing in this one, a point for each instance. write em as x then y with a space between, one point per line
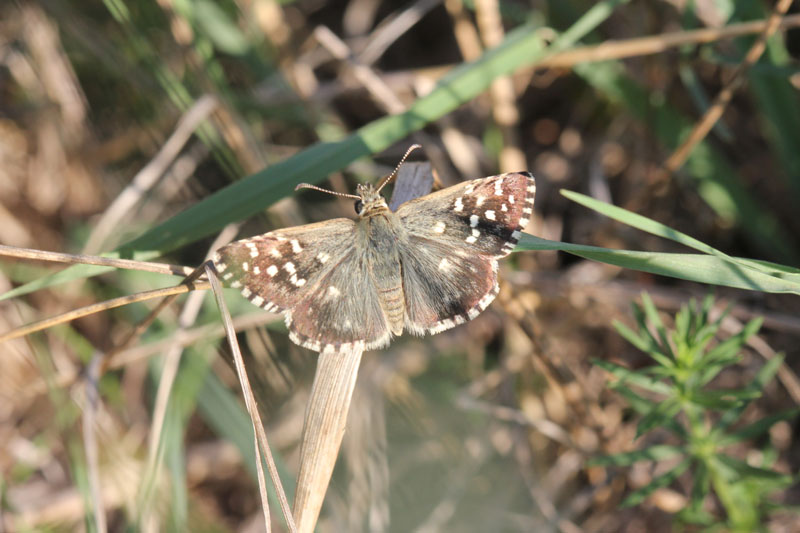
445 287
455 237
341 311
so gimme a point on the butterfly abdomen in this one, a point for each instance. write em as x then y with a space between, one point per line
384 233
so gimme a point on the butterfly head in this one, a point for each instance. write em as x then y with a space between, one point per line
370 201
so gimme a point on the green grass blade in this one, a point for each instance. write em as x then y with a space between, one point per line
692 267
656 228
225 415
522 48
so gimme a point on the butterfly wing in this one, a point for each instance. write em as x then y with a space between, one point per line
455 237
316 275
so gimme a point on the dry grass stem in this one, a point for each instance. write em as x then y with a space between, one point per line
657 44
392 28
323 429
69 316
57 257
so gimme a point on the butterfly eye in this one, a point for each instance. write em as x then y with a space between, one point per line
359 205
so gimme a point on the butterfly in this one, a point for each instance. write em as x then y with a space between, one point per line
347 284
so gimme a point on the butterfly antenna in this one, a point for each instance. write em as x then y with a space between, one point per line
389 178
309 186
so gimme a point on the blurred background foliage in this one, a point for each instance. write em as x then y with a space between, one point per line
124 124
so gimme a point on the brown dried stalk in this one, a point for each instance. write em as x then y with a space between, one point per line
260 436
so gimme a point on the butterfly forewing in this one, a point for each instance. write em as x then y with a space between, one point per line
484 216
316 275
455 237
276 269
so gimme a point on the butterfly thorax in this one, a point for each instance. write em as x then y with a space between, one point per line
382 232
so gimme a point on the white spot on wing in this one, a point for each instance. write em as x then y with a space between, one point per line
296 248
258 300
490 215
444 264
272 270
323 257
498 187
245 266
333 292
511 199
479 201
473 221
458 206
289 267
439 227
256 270
246 292
503 208
275 253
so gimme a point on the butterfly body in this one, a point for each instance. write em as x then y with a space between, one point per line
427 267
382 236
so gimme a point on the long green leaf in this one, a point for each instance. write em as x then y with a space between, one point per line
656 228
692 267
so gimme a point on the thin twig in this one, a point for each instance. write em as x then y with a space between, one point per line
57 257
39 325
656 44
260 435
382 93
717 108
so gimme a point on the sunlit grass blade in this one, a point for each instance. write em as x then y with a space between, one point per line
692 267
656 228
